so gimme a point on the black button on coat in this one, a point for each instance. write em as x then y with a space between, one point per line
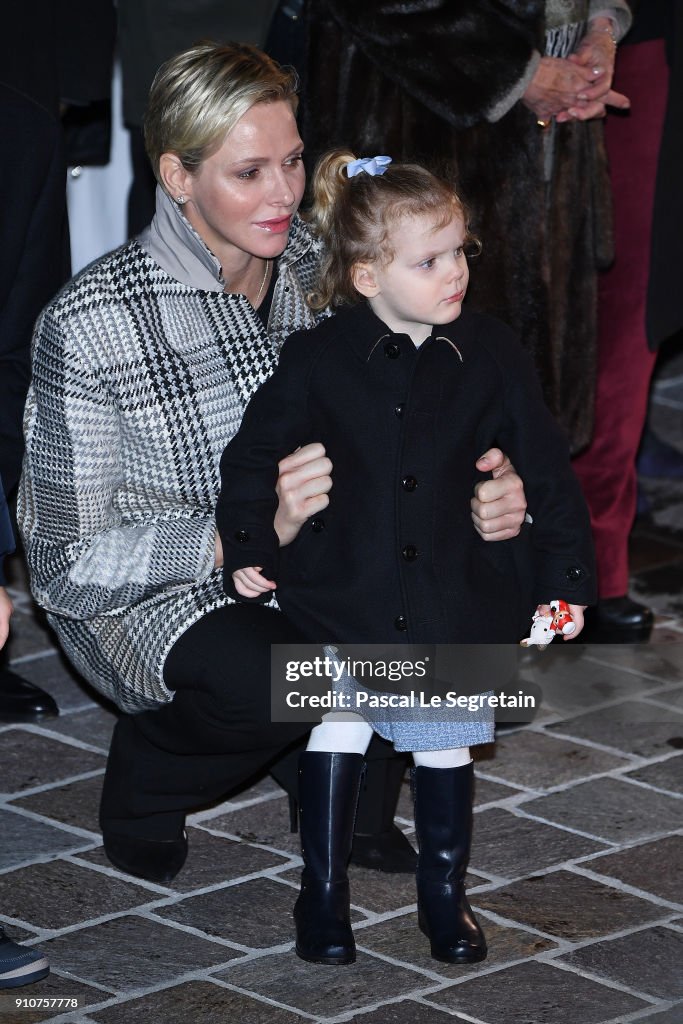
467 387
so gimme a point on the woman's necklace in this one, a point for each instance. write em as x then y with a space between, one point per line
263 284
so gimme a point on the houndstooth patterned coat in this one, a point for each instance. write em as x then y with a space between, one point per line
140 379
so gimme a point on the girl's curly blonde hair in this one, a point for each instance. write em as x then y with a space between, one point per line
354 217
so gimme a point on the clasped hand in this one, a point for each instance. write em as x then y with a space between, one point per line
578 87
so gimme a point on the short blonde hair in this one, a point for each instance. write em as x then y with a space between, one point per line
199 95
354 217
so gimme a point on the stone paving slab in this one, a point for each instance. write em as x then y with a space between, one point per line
59 894
572 680
93 725
200 1001
76 803
407 1012
540 761
674 1015
656 867
665 774
658 661
507 845
401 939
633 727
24 839
29 760
53 987
322 990
210 861
256 914
672 697
649 961
266 823
569 906
486 791
611 809
538 993
133 952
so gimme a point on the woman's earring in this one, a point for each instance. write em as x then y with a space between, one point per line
181 200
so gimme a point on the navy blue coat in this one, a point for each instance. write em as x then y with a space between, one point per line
395 557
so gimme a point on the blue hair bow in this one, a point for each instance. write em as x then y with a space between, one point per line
370 164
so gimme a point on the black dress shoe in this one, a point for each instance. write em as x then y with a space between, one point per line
156 860
21 701
618 620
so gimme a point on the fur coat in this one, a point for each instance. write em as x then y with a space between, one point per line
440 83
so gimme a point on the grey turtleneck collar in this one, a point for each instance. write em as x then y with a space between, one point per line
175 245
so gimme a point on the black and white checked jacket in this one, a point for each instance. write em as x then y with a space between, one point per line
139 382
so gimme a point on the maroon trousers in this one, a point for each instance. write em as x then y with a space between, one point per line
606 470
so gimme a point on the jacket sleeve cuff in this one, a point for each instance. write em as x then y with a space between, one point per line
617 11
565 578
507 102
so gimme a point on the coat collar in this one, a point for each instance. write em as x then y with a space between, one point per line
175 245
367 334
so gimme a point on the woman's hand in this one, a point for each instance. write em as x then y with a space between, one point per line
557 85
250 582
302 489
595 53
6 609
499 504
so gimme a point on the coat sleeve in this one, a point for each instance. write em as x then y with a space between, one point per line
84 558
34 255
561 539
465 60
275 422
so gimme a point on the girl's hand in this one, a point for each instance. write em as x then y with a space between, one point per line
499 504
250 583
6 609
302 489
575 610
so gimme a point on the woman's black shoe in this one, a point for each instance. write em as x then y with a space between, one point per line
156 860
21 701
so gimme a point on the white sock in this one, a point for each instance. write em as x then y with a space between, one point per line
454 758
341 732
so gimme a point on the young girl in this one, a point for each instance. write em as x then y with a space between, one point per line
405 389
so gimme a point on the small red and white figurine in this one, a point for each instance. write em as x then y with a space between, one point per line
544 628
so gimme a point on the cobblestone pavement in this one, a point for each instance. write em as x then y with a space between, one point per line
575 871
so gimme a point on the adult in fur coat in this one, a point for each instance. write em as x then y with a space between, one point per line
464 81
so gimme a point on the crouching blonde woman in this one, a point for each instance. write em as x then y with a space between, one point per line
142 367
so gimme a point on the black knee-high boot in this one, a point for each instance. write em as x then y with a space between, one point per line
443 823
328 794
377 842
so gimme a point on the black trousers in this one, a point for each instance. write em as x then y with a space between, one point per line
213 737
